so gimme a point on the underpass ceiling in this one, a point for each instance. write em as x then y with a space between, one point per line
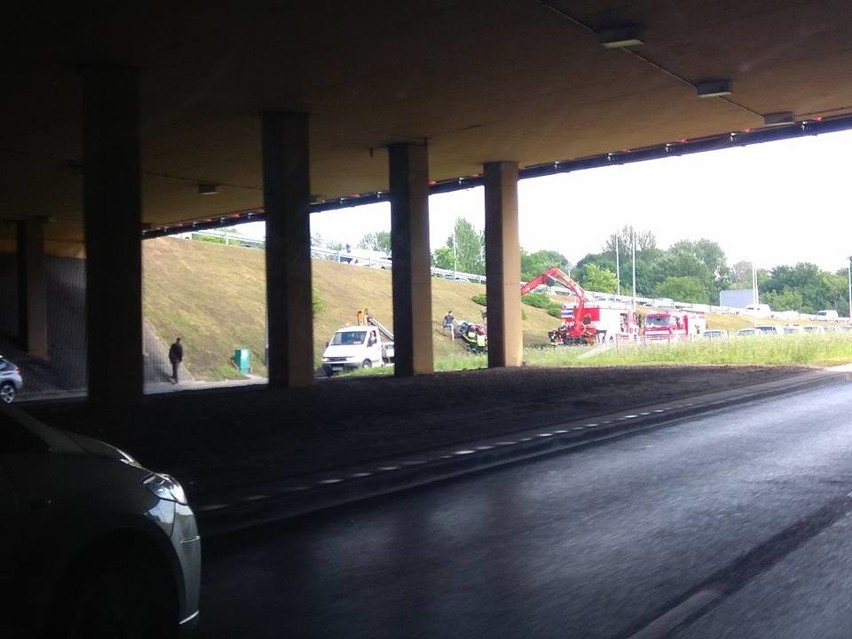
520 80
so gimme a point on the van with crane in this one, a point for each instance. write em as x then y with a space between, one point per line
362 345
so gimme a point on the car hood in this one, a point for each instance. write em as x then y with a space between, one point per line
98 448
69 443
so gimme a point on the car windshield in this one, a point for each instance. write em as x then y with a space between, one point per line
658 320
348 338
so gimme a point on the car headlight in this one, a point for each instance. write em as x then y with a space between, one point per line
166 487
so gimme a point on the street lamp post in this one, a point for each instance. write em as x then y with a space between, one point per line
617 267
849 266
455 265
755 297
633 250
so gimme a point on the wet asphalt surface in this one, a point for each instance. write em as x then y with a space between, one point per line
732 522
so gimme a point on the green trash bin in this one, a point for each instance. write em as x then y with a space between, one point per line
242 358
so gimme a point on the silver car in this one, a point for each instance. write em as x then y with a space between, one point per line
11 381
91 543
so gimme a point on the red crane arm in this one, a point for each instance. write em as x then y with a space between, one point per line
534 283
557 275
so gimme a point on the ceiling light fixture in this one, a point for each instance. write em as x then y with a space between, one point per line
207 189
713 88
620 37
779 118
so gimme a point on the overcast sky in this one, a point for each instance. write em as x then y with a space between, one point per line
774 203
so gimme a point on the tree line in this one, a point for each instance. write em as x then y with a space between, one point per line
690 271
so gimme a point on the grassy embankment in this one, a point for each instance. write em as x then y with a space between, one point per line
214 297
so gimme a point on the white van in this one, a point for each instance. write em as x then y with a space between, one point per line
356 347
828 314
758 310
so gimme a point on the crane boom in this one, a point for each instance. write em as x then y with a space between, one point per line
577 330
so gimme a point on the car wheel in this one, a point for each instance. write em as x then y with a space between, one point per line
366 364
7 392
128 595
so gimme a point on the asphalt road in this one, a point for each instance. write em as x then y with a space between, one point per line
735 523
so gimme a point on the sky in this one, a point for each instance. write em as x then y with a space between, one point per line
776 203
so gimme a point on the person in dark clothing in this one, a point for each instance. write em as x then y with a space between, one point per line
449 324
175 357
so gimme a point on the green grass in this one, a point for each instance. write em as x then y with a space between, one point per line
806 350
800 350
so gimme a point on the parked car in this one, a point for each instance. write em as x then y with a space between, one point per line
11 381
715 333
793 329
769 329
749 332
813 328
92 544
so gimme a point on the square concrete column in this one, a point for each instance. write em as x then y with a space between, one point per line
112 203
412 281
286 199
32 288
503 265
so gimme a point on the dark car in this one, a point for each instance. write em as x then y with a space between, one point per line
11 381
91 543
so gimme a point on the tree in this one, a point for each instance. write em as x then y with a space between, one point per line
379 241
467 248
741 276
599 279
806 279
442 257
785 300
704 260
534 264
683 289
646 253
645 241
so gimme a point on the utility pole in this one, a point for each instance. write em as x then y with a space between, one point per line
755 297
617 267
633 241
850 286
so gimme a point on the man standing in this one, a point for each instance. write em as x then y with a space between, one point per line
175 357
449 322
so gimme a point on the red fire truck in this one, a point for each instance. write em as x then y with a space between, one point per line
584 323
672 326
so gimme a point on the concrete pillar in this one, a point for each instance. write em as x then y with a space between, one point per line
412 282
32 288
503 264
112 207
286 199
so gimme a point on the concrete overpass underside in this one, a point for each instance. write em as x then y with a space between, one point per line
116 121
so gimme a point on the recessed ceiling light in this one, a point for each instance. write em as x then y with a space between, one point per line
620 37
207 189
713 88
779 118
